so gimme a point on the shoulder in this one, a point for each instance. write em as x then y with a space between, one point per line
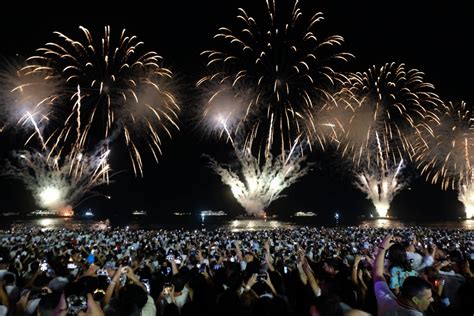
382 291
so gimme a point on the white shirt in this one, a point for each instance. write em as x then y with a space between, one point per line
149 309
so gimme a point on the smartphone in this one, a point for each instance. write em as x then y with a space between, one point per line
146 283
202 268
90 258
71 266
167 287
285 269
261 277
76 304
44 266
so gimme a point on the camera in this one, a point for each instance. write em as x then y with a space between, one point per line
44 266
98 294
261 277
166 271
71 266
76 304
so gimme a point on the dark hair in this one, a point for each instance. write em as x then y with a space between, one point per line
135 294
179 282
48 304
397 256
431 273
9 278
414 286
328 305
234 281
335 263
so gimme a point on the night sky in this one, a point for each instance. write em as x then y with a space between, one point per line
431 37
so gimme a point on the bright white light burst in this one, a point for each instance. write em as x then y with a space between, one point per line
50 197
260 185
381 187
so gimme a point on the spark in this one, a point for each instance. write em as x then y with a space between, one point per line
260 184
445 151
116 88
59 183
28 99
289 68
381 187
375 115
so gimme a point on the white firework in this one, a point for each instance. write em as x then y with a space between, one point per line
59 183
259 185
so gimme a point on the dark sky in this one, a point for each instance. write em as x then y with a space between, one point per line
432 37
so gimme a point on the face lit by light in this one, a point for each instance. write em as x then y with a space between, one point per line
50 196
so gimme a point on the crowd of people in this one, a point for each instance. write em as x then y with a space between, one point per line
300 271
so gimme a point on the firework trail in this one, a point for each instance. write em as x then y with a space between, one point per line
131 90
27 100
445 153
260 184
373 119
288 66
381 183
59 183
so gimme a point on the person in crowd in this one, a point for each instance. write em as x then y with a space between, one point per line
299 271
415 293
400 267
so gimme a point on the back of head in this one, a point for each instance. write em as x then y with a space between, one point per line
235 281
328 305
48 304
414 286
134 295
179 282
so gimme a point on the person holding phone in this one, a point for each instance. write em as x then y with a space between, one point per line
137 298
415 295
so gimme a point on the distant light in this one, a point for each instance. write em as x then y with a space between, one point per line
336 216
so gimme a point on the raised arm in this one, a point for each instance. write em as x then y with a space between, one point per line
380 258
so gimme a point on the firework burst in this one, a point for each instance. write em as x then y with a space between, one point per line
372 120
28 99
288 67
59 183
260 184
392 102
446 152
131 90
224 112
